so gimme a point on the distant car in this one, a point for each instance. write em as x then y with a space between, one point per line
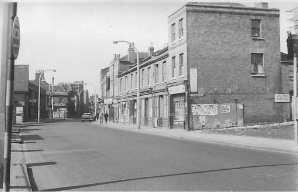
87 117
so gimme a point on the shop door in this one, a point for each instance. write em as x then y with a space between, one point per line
179 118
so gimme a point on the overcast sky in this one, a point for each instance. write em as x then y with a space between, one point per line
76 37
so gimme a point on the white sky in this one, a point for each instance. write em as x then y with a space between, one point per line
76 37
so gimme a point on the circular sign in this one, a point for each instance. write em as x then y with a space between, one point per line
15 37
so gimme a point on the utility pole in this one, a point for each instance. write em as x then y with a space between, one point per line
295 96
53 97
293 52
13 47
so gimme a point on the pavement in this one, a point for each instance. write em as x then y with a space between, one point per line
20 179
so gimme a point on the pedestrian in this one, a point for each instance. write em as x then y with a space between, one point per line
101 118
106 117
97 116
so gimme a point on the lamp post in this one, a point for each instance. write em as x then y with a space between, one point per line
95 100
131 45
80 101
41 74
52 97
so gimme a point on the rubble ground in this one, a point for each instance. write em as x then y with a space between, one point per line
277 131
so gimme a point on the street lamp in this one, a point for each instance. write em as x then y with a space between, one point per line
131 45
41 74
80 101
95 100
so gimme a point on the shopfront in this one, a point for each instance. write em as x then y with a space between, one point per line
177 106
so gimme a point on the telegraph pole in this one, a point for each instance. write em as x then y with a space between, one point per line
13 47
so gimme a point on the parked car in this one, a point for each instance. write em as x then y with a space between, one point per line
87 117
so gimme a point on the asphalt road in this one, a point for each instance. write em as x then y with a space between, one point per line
79 156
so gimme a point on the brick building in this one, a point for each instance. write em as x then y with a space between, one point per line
221 68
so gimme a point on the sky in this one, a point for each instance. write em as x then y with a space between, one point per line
75 37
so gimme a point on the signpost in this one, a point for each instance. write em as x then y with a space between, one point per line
15 37
13 47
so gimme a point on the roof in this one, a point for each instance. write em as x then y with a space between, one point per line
59 88
222 4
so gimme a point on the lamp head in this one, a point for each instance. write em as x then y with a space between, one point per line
115 42
54 70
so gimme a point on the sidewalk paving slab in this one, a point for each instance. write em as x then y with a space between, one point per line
19 179
277 145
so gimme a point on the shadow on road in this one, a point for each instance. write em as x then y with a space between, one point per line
40 164
30 173
161 176
32 137
25 151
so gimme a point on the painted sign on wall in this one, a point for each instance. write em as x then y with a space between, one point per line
225 108
204 109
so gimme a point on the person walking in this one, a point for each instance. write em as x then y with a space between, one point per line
101 118
106 117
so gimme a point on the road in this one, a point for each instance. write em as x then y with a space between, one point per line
84 156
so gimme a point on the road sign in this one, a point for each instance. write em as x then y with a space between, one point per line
15 37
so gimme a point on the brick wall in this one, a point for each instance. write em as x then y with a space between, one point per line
219 45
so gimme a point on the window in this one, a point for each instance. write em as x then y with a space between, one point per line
164 65
149 74
126 84
180 28
161 104
143 78
181 64
156 73
256 27
173 67
131 81
121 85
136 80
257 63
108 83
173 32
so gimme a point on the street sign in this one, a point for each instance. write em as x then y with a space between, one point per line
282 98
15 37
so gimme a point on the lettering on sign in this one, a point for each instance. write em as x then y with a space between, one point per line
59 104
282 98
225 108
204 109
15 38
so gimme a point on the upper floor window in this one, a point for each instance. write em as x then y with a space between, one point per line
121 85
180 64
180 28
256 27
143 78
173 32
173 66
156 73
164 65
257 63
131 81
107 83
136 80
149 74
126 84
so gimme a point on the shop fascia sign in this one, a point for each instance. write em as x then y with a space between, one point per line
108 101
176 89
59 104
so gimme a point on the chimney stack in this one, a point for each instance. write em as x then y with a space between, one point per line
262 5
131 53
151 50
